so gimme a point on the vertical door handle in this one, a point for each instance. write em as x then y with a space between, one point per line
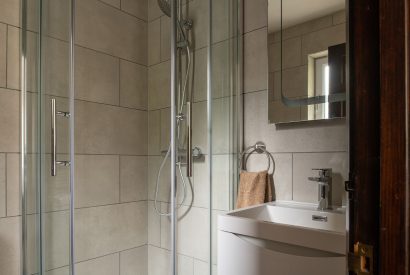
189 142
54 161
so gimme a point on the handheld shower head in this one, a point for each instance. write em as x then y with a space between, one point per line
165 7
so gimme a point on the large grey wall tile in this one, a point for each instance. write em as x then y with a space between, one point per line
165 128
57 188
154 11
133 178
193 237
107 265
114 3
221 182
305 190
9 120
103 230
57 18
154 42
199 70
185 265
154 164
198 12
134 87
159 261
96 77
10 246
57 249
159 81
102 28
199 119
3 55
255 60
134 261
139 8
13 185
154 132
222 27
221 67
13 57
165 38
154 225
56 67
201 183
10 12
97 180
103 129
255 14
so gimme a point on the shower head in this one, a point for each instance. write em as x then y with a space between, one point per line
165 7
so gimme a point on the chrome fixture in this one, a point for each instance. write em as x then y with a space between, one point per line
260 148
318 218
325 187
182 114
54 161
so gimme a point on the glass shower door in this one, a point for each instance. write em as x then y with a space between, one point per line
47 105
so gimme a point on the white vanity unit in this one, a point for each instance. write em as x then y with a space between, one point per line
282 239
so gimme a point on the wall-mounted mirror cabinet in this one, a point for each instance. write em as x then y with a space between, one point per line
307 60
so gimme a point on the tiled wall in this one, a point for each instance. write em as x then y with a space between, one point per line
297 148
111 138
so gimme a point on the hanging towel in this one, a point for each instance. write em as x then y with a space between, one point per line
254 188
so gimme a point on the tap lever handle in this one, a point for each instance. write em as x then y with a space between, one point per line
324 172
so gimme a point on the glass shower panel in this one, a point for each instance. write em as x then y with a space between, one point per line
225 108
29 143
46 103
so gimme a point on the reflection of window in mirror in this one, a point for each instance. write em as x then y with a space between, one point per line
318 83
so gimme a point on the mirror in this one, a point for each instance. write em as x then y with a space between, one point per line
307 60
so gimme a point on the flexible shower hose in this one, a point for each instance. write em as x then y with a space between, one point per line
180 109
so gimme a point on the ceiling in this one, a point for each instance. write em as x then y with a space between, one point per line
299 11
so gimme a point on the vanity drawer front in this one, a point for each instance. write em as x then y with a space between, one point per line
237 256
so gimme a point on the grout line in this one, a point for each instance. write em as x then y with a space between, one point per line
88 207
7 53
123 11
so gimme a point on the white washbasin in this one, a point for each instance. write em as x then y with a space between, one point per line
282 239
296 214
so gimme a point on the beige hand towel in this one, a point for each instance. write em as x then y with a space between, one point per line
254 188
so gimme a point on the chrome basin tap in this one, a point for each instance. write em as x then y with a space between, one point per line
325 187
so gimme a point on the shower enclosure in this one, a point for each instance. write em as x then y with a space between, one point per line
130 128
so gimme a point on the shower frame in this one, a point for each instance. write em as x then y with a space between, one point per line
40 154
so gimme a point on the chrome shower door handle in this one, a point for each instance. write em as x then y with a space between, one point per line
189 139
54 161
53 139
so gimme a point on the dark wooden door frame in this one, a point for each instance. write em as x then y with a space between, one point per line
364 123
379 121
394 94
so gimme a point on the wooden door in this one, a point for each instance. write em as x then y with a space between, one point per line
379 124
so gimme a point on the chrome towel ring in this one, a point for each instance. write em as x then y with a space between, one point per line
260 148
